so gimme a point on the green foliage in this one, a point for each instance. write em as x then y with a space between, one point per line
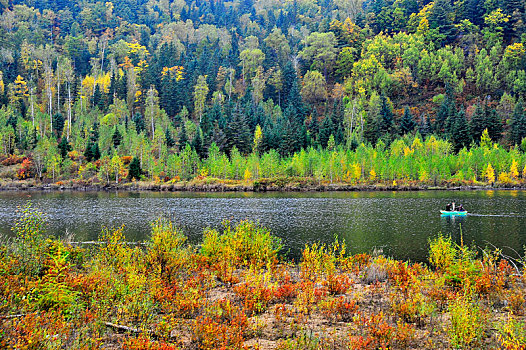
468 323
135 171
167 249
30 243
442 252
244 244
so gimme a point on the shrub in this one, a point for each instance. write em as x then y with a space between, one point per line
512 334
467 323
30 243
245 244
442 252
167 251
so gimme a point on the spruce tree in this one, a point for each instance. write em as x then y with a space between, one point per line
170 142
460 132
446 113
197 144
478 123
116 137
386 124
58 124
326 130
408 124
238 133
518 124
183 138
64 147
134 171
371 131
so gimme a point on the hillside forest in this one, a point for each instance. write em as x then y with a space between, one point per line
351 91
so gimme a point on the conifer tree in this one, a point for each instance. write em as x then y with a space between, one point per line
183 138
408 124
518 124
386 124
134 171
116 137
460 132
326 130
64 147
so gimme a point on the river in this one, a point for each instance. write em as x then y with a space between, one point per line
400 223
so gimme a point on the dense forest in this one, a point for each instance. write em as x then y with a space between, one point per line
339 90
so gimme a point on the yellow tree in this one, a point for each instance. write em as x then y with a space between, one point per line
20 89
489 174
117 166
258 136
2 86
514 172
485 140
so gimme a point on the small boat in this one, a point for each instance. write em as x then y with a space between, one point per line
448 213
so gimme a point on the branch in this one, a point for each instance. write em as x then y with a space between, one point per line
6 317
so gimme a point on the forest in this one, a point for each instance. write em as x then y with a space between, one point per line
360 92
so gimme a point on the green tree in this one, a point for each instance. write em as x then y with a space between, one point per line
460 135
320 51
134 171
408 124
116 138
518 124
314 87
200 93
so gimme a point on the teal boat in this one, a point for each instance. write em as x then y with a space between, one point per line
450 213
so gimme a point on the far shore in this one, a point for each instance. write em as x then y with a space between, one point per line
261 185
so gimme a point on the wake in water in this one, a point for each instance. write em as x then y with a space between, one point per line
511 215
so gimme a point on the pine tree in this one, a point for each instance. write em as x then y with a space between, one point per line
116 137
518 124
326 130
386 124
64 147
183 138
440 18
460 132
134 171
197 144
408 124
170 142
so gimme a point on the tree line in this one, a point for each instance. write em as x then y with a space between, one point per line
97 84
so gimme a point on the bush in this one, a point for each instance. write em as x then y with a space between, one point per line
467 323
167 251
29 243
245 244
441 252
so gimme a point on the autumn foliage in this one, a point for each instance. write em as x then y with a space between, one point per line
235 291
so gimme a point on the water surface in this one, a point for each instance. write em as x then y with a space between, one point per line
398 222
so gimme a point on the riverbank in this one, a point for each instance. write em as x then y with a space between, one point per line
236 291
262 185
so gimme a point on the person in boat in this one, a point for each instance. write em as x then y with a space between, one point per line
461 208
448 207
